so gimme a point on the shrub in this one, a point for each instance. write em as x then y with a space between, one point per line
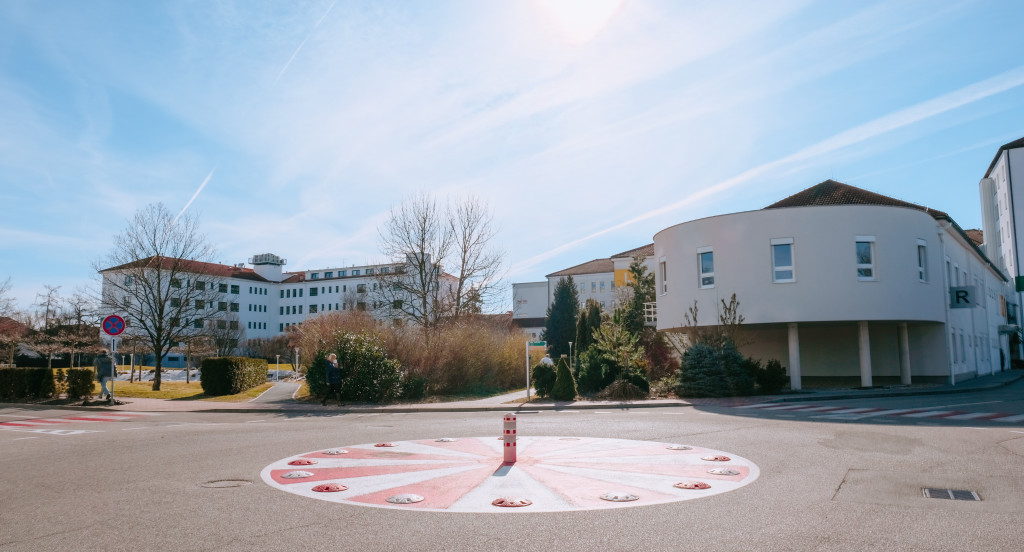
708 371
565 386
413 387
772 378
638 380
231 375
19 383
623 390
372 376
592 367
79 382
543 379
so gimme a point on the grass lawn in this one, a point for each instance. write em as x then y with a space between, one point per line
177 390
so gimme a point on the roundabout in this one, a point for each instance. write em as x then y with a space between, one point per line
547 474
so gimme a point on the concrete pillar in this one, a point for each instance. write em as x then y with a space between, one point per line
865 355
904 355
794 357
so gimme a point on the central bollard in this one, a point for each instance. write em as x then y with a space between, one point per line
509 437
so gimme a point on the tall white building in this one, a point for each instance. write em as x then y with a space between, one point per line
1002 212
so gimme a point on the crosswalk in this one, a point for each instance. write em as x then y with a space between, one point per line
860 413
66 425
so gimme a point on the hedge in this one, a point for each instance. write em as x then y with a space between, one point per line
231 375
42 383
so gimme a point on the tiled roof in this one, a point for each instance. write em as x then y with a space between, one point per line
976 236
1018 143
193 267
642 251
831 192
597 266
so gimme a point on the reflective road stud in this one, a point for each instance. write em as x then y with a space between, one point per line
509 437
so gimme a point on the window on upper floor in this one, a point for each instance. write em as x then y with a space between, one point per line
222 306
234 307
313 292
369 271
783 270
235 290
663 272
328 275
314 275
355 273
922 261
360 288
312 309
222 288
865 249
176 283
706 268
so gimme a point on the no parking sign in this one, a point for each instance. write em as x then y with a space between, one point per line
113 325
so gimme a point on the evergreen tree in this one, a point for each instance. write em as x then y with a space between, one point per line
560 328
565 385
642 284
587 322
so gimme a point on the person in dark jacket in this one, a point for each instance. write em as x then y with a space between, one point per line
104 373
332 374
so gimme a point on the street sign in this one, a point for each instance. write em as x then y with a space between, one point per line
113 325
963 297
538 344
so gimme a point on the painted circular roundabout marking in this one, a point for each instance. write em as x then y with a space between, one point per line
552 473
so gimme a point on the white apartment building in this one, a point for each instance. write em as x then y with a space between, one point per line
1002 212
836 281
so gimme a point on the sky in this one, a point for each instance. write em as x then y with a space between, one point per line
294 127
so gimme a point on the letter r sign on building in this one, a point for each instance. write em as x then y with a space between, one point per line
962 297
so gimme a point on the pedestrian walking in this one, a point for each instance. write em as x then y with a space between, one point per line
332 375
547 360
104 373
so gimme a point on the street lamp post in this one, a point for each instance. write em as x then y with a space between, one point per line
277 368
570 355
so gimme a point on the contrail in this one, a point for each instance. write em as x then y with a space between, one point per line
303 43
930 108
194 196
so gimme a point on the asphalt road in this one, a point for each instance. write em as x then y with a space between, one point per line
137 483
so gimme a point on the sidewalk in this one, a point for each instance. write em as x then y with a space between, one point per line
280 400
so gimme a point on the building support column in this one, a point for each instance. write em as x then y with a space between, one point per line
904 355
865 354
794 357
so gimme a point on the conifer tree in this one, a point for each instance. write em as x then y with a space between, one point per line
560 327
565 385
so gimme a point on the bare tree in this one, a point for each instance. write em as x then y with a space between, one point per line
151 277
476 263
451 267
12 331
47 340
417 232
226 334
7 307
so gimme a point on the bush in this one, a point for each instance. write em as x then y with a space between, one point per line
369 375
19 383
231 375
592 367
637 380
707 371
565 386
79 382
543 379
413 387
772 379
623 390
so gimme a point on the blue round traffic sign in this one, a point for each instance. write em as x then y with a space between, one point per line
113 325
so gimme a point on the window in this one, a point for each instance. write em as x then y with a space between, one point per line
328 275
602 287
200 304
233 325
234 307
300 309
369 271
361 288
280 327
313 292
865 258
175 302
200 285
782 260
385 269
312 309
375 286
663 271
341 273
128 280
176 283
282 311
300 292
361 306
222 288
922 261
314 275
235 289
222 306
706 266
175 321
344 288
197 324
397 304
593 287
355 272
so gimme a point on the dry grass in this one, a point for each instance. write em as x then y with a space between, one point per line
177 390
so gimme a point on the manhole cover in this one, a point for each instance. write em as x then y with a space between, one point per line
225 483
556 474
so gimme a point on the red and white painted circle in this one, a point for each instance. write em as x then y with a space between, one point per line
468 474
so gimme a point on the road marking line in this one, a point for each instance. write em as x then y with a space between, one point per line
929 413
820 408
788 407
853 410
974 416
23 438
758 405
1010 419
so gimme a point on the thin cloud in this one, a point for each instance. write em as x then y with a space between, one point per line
303 43
194 196
978 91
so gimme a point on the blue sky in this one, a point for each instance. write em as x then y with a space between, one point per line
587 125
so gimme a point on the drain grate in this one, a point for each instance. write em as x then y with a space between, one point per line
950 494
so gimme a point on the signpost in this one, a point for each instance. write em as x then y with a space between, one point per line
113 326
528 345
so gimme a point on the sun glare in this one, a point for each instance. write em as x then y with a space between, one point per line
578 21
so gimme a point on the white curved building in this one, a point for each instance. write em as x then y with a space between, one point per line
836 281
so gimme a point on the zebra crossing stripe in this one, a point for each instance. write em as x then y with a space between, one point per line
1010 419
974 416
930 413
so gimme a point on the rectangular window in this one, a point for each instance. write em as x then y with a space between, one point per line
782 261
197 324
602 287
314 276
282 294
706 266
222 288
361 288
369 271
865 248
312 309
233 324
663 271
385 269
282 311
593 287
355 273
396 304
175 302
222 306
341 273
176 283
200 304
235 289
234 307
313 292
200 285
222 324
280 327
344 289
922 261
328 275
300 292
300 309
